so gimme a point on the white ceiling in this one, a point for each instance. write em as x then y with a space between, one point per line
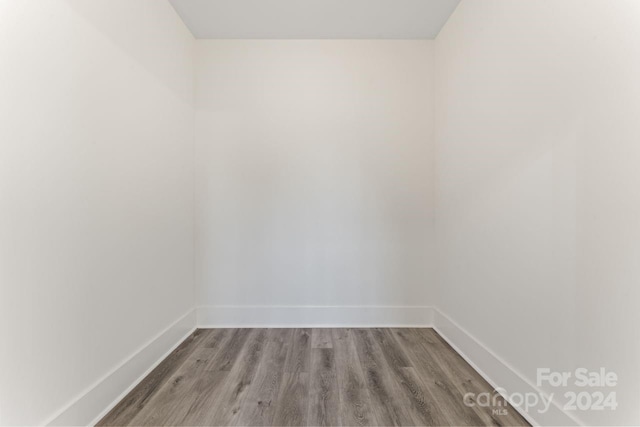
315 19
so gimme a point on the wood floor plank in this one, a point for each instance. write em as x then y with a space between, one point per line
139 397
394 353
281 335
294 390
323 389
467 379
224 406
292 400
216 338
352 377
300 352
208 384
449 398
229 354
355 403
260 405
178 395
387 405
424 407
173 402
321 338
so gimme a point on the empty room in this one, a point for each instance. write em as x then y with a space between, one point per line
319 212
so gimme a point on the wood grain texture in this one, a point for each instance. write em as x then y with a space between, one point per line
300 352
436 380
291 406
318 377
229 354
355 403
124 412
323 390
459 378
177 396
225 406
390 406
425 406
259 407
321 338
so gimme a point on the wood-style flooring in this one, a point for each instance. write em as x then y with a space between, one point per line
314 377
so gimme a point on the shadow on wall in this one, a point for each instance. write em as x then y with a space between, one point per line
119 22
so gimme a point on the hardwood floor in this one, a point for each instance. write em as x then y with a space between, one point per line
350 377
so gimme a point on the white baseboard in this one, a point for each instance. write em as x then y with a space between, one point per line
496 371
96 401
314 316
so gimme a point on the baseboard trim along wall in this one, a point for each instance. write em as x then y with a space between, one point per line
496 371
94 403
314 316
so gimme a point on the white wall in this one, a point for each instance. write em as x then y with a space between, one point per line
314 184
96 193
537 178
314 173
